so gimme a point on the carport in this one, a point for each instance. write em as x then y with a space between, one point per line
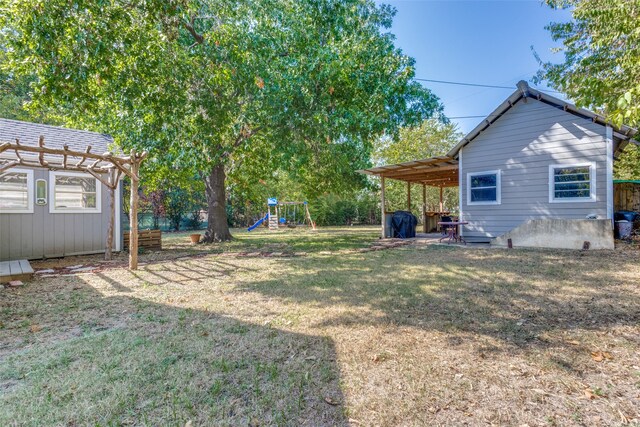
441 172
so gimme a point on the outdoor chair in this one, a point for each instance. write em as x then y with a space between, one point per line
444 228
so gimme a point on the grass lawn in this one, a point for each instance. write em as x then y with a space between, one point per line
417 335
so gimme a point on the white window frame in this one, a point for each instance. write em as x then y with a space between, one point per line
30 192
498 200
52 194
592 183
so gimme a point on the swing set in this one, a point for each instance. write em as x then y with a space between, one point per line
286 214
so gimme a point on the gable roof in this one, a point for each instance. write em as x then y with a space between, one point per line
54 136
623 134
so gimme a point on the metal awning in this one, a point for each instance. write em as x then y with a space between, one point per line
441 171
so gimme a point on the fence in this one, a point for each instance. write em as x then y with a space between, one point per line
626 196
147 239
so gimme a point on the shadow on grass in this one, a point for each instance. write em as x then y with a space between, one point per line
160 365
514 296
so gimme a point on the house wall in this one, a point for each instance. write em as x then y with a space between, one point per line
522 144
42 234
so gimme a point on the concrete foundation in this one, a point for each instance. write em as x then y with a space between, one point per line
560 233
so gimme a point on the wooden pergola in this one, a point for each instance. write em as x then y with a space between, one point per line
107 168
438 172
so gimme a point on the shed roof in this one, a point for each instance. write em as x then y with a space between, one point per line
55 137
623 134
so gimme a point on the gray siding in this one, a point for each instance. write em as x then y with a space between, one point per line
42 234
522 144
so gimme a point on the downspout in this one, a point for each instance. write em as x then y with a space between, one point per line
609 177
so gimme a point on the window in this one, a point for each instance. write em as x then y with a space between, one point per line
572 183
16 187
483 188
74 193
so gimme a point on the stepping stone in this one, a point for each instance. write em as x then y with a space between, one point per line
83 269
47 271
16 283
73 267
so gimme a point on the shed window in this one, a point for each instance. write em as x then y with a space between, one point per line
74 193
16 187
572 182
483 188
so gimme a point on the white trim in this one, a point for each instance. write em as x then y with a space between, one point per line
117 229
52 194
592 183
609 144
498 200
460 217
30 192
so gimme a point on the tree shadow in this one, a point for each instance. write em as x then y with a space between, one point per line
512 296
114 360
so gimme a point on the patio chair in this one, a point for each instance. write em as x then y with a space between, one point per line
444 228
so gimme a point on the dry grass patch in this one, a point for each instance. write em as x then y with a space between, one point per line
411 336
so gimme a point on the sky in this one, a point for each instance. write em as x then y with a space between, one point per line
484 42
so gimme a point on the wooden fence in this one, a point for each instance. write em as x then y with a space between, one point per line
626 197
147 239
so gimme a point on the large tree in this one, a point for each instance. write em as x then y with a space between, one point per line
601 67
204 84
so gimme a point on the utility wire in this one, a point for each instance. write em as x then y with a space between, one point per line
465 84
476 85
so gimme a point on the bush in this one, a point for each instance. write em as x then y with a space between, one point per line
331 209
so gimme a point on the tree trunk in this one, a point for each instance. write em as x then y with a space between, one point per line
217 229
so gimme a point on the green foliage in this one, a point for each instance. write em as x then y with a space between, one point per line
431 138
178 204
601 68
257 85
332 209
628 164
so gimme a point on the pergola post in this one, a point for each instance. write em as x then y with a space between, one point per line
382 203
113 182
424 209
441 205
133 215
409 196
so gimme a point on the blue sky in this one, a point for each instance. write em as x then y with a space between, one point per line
485 42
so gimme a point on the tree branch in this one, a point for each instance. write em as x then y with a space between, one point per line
189 26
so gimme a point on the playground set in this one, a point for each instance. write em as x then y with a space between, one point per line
285 214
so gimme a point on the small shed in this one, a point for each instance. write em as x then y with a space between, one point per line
61 192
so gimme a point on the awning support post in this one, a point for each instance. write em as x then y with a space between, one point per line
382 202
408 196
424 209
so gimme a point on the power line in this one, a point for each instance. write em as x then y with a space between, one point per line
465 84
476 85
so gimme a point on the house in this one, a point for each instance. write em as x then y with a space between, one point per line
46 212
537 170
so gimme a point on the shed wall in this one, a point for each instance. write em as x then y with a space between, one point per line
42 234
522 144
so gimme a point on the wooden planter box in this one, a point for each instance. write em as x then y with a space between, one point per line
147 239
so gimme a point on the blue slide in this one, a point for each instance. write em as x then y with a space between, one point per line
257 224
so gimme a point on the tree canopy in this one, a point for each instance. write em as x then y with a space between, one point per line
601 67
213 85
